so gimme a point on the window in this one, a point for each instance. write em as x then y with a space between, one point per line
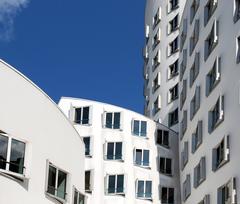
197 137
227 193
213 76
173 25
78 197
195 36
147 31
184 124
183 64
157 105
173 47
82 115
195 102
212 40
209 10
88 181
157 17
200 172
156 82
165 166
114 151
205 200
183 33
173 117
112 120
184 155
86 141
163 138
57 182
12 154
238 50
221 154
173 4
142 157
194 71
167 195
173 70
216 114
193 9
115 184
183 94
186 188
144 189
146 54
157 38
173 94
236 10
156 60
140 128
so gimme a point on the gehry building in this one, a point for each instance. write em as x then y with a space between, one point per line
128 157
41 154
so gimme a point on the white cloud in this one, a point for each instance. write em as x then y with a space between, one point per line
8 10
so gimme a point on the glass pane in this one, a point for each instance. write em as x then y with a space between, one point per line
51 180
120 183
61 187
78 114
110 149
17 156
75 197
116 121
3 151
111 184
138 157
162 165
118 150
171 195
164 195
146 158
140 190
168 166
148 190
108 120
87 180
165 138
81 199
86 141
136 127
143 128
85 118
159 137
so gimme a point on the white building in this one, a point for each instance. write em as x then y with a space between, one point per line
125 152
41 154
161 53
210 101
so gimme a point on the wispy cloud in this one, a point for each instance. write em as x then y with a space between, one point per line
8 11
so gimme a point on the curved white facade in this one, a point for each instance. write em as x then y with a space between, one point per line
130 172
41 154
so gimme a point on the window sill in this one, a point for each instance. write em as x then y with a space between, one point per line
115 194
216 125
155 24
221 165
14 176
173 30
86 125
164 146
144 198
173 9
165 174
172 99
173 75
208 93
200 182
88 156
140 136
174 52
114 160
155 44
143 167
60 200
88 191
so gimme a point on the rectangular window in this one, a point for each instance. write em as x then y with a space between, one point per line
173 94
195 36
227 192
195 102
157 104
209 10
157 18
113 120
183 64
216 114
156 82
167 195
173 117
186 188
194 71
236 10
82 115
221 154
12 154
173 4
115 184
173 25
156 60
184 123
78 197
86 141
205 200
144 189
183 35
157 38
142 157
163 138
173 47
197 137
165 166
193 9
140 128
88 181
173 70
200 172
184 155
114 151
238 50
183 94
57 182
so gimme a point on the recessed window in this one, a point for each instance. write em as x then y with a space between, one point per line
156 60
205 200
142 157
236 10
173 25
12 154
157 105
88 181
167 195
197 137
86 141
186 188
78 197
183 35
157 82
183 94
173 70
221 154
147 32
163 138
184 155
157 38
195 102
144 189
209 10
227 193
115 184
173 47
173 4
157 17
165 166
194 71
57 182
238 50
195 36
140 128
193 9
200 172
82 115
112 120
173 117
114 151
183 64
173 94
146 54
184 123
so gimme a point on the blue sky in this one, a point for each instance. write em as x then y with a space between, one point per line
87 49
